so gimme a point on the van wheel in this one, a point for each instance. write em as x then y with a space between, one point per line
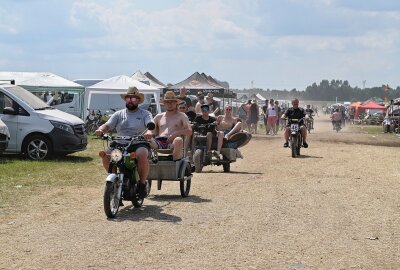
37 147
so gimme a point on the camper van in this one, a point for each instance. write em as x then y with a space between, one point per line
36 129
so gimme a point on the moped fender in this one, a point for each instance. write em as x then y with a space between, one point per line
112 177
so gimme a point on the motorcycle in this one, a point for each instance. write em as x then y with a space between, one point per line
201 158
309 123
93 122
338 126
123 177
295 138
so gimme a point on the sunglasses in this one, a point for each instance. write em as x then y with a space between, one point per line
131 98
228 109
182 108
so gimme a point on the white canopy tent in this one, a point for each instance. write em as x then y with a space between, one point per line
260 97
138 75
112 88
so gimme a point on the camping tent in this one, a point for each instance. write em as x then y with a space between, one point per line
199 83
39 83
368 105
105 95
138 75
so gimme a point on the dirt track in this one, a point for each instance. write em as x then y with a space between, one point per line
336 207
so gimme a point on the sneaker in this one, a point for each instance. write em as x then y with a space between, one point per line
142 190
305 145
286 144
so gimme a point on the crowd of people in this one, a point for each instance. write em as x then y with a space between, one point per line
178 121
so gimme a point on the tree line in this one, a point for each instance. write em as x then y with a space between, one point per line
331 91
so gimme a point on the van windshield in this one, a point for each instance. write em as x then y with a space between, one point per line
29 98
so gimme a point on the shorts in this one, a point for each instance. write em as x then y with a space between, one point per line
162 143
272 120
225 131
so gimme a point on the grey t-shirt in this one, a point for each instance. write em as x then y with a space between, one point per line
129 123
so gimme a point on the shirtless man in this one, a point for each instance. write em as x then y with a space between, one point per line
170 125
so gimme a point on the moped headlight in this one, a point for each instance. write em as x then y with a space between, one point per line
116 155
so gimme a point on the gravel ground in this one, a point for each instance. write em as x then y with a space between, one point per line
335 207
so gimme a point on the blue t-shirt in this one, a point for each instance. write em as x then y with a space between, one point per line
129 123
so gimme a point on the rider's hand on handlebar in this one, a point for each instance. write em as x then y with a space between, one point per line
148 135
98 133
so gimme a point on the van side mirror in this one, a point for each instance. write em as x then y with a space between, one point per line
151 126
9 110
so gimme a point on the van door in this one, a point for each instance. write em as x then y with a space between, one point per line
10 120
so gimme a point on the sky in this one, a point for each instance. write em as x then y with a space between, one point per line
269 44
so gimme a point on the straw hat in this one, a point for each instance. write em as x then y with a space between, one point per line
133 91
170 96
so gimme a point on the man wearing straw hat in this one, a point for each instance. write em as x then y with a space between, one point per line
170 126
129 122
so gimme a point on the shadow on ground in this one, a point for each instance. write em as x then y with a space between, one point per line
152 213
178 198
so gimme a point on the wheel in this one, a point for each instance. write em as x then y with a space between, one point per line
186 180
37 147
197 160
299 143
110 201
92 128
227 167
293 146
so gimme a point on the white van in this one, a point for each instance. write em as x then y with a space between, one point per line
38 130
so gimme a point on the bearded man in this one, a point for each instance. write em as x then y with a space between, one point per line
130 122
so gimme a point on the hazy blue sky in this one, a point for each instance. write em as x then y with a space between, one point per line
278 44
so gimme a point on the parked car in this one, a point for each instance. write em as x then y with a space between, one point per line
4 136
38 130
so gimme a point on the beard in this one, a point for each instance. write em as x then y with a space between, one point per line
131 106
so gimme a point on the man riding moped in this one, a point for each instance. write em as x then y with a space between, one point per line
130 122
310 114
336 118
295 112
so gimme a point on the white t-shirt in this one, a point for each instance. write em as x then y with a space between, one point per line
271 111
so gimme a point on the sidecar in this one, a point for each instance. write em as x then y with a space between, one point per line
162 167
229 151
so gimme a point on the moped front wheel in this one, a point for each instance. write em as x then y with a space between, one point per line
293 146
110 200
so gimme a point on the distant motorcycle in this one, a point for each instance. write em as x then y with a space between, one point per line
295 138
123 177
93 122
338 126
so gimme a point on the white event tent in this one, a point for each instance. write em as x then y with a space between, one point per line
99 95
138 75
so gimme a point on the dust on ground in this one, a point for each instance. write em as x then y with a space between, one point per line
335 207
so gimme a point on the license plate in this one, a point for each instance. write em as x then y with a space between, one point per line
294 127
